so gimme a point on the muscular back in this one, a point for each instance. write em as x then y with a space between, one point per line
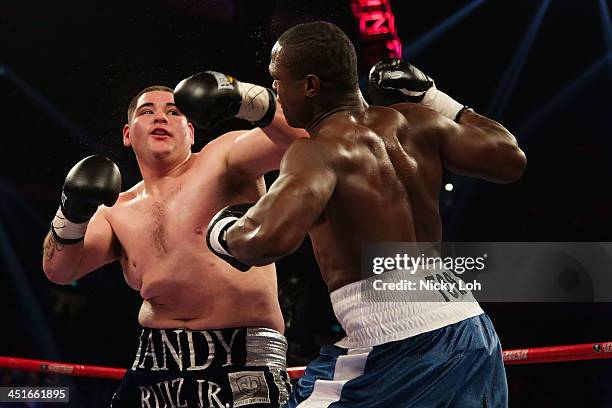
388 175
370 174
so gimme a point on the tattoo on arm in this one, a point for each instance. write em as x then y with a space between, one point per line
50 246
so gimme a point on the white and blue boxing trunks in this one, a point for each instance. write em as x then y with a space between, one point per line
404 352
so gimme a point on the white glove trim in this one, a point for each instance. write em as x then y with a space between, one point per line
255 101
441 103
66 229
215 235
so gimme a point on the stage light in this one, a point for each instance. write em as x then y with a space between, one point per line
417 46
503 93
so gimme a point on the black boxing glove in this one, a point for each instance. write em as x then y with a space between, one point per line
395 81
218 226
209 98
93 181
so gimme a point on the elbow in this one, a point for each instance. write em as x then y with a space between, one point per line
57 275
57 278
515 166
521 163
509 160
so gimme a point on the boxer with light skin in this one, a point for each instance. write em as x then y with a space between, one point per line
373 174
195 306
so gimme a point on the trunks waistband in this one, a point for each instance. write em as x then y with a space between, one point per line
370 317
193 350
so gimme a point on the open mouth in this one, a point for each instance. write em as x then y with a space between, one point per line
160 133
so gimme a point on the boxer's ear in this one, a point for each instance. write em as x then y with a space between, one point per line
191 132
126 135
312 86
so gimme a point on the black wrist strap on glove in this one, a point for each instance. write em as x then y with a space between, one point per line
465 108
65 241
215 236
269 116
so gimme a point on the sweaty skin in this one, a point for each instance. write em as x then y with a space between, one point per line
367 174
157 228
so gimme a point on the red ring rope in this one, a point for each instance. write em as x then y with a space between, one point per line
552 354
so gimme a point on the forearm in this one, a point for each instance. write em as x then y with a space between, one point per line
257 244
93 181
280 133
260 150
276 226
61 261
244 239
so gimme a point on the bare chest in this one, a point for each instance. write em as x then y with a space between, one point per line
154 230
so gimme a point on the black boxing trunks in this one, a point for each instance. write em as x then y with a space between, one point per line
228 368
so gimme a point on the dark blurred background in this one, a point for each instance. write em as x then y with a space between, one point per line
69 69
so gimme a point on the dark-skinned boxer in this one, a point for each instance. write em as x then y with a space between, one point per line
211 337
373 174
